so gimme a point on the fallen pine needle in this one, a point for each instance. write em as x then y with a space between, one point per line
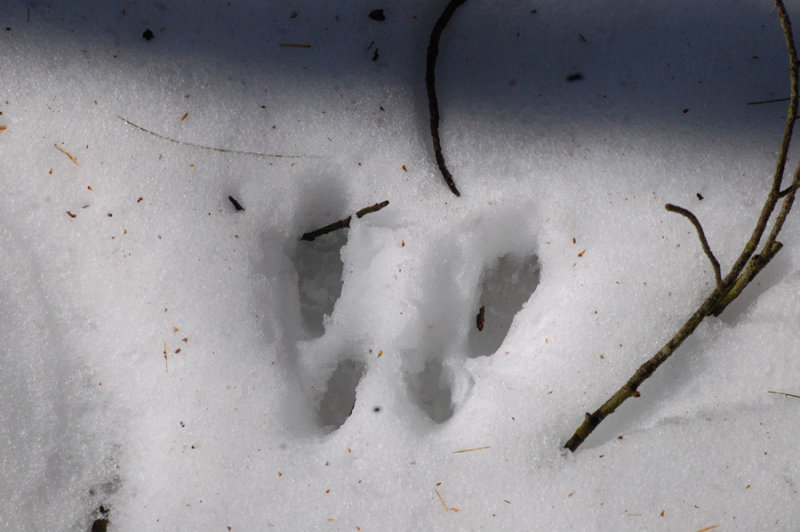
446 508
786 394
212 148
294 45
441 500
62 150
166 361
473 449
708 528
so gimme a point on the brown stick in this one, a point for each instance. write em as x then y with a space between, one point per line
343 223
236 204
372 208
430 83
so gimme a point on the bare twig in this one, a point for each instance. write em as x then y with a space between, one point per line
630 388
743 271
236 204
754 266
372 208
212 148
786 394
762 102
430 83
788 128
701 234
343 223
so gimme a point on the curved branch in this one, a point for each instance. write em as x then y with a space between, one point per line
430 83
701 234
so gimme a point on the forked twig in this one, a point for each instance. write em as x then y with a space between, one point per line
743 271
430 83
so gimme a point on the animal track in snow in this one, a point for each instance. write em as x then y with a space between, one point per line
505 286
339 398
365 277
319 270
432 391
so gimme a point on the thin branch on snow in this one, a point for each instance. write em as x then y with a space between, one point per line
343 223
430 83
743 271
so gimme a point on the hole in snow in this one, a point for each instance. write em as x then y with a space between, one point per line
505 286
319 270
339 398
432 391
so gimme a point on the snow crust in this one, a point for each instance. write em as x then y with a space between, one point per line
169 362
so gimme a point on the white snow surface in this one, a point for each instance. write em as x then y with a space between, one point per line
188 366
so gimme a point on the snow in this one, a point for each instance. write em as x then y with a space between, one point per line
171 363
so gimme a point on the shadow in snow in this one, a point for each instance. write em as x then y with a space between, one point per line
505 286
432 390
339 398
318 262
319 269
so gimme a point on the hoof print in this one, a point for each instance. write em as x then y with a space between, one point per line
339 398
319 269
432 390
505 287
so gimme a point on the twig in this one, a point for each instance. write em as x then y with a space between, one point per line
213 148
630 388
236 204
430 83
786 394
788 128
762 102
330 228
372 208
701 234
743 271
343 223
756 264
